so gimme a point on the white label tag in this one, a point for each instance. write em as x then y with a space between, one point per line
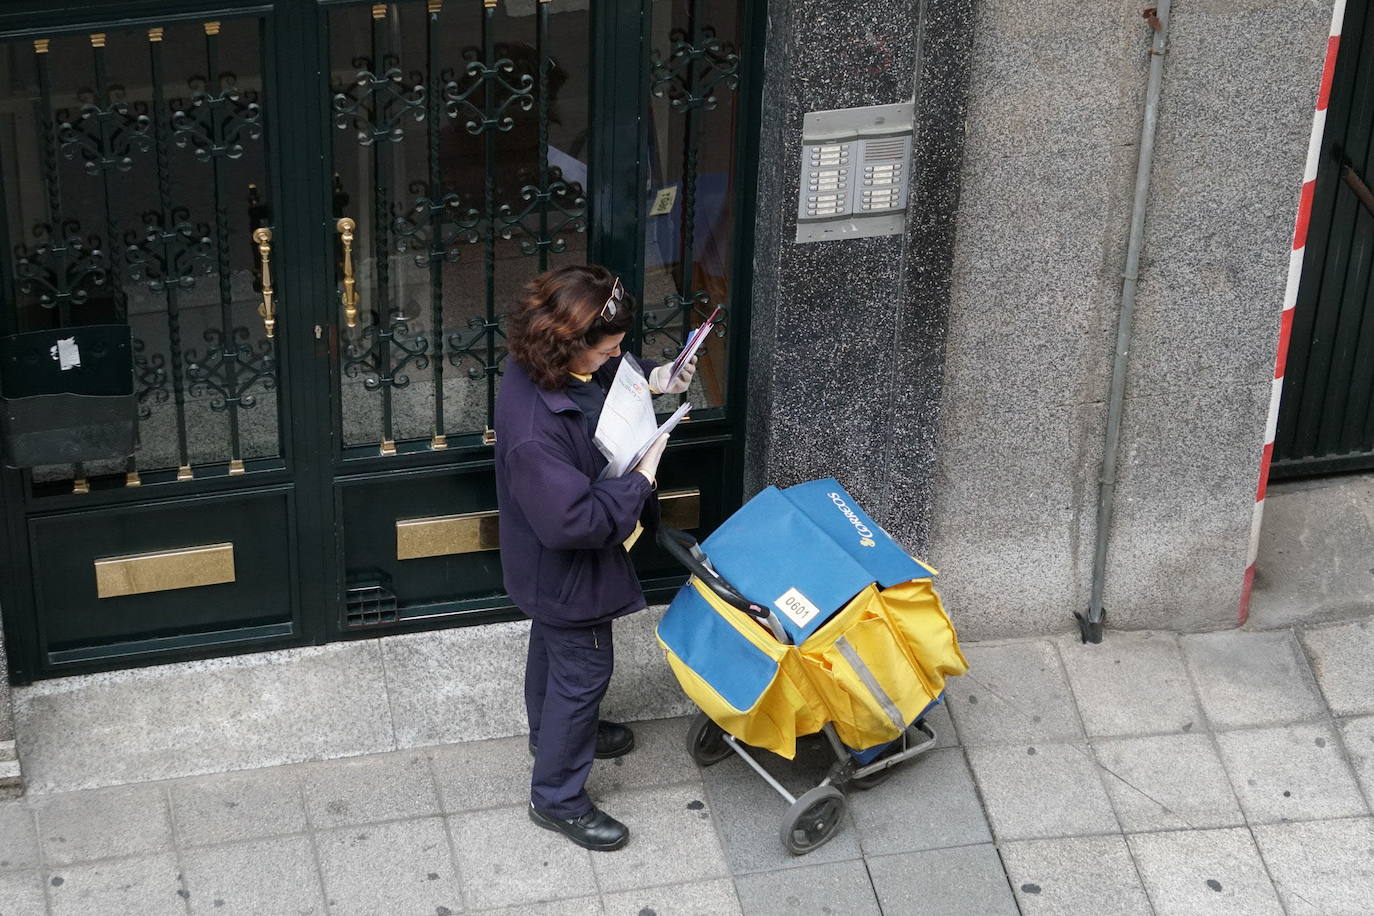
67 354
663 201
797 608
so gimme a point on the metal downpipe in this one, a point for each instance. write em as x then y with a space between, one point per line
1091 625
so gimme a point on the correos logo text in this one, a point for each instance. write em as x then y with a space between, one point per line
865 535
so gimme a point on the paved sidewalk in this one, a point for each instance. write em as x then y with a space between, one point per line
1218 773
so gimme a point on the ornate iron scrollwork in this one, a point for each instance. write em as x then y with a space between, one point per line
458 94
215 126
104 136
173 255
470 344
563 199
63 268
361 355
230 370
150 372
376 105
414 232
690 74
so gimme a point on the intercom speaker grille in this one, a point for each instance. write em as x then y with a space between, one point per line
885 150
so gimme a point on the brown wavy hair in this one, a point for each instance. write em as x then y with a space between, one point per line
558 314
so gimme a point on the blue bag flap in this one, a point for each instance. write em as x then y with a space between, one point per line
774 554
722 656
827 504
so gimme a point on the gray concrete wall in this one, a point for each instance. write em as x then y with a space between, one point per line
1055 106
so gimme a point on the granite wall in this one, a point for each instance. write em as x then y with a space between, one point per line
962 397
848 336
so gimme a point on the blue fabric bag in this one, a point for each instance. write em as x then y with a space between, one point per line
806 552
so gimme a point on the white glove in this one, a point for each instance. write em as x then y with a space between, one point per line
658 378
648 465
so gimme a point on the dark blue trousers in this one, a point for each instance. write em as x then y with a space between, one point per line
566 675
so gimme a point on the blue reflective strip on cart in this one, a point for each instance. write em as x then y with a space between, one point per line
709 645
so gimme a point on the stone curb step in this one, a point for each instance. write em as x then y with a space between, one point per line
11 779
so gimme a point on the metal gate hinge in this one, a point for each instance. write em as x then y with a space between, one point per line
489 436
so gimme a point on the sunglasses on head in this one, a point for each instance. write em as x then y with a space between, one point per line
612 306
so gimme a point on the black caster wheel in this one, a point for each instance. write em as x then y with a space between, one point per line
706 741
813 820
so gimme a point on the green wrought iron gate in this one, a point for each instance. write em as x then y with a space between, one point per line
1326 417
312 216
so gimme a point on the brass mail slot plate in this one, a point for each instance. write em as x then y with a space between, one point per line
445 535
681 509
442 535
165 570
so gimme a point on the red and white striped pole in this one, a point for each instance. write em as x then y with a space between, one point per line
1290 296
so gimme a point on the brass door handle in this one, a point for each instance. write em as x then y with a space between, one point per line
349 298
268 309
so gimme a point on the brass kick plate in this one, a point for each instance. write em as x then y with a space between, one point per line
445 535
164 570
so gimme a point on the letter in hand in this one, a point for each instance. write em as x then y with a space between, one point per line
648 465
658 378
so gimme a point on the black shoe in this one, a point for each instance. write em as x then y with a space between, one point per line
612 740
595 830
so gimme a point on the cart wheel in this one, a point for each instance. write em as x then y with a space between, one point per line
812 820
706 741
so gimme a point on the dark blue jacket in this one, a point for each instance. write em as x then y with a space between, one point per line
561 530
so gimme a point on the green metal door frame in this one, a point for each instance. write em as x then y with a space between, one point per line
313 460
1326 416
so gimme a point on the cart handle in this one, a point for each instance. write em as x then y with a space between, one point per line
685 550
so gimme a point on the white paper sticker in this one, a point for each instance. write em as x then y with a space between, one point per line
796 606
67 354
663 201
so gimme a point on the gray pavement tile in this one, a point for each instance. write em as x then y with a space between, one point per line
672 840
827 887
237 806
506 859
1246 679
927 803
98 824
272 877
114 727
749 815
21 894
1076 876
18 839
146 885
1343 661
1044 790
1292 773
946 735
482 774
660 758
1358 735
582 906
1217 872
361 790
401 867
1131 684
1167 782
967 881
699 898
1321 868
1013 694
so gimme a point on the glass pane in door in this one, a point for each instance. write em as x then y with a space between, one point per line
459 148
694 125
135 173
